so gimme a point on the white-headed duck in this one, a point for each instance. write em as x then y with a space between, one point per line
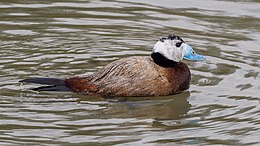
162 74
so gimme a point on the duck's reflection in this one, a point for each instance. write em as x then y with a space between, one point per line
167 107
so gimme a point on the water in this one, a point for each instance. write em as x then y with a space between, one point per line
60 38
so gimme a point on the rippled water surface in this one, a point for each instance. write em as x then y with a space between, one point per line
61 38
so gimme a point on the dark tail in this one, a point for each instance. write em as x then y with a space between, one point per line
52 84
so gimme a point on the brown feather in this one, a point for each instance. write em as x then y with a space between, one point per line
80 85
133 76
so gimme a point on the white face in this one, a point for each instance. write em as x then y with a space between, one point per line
172 49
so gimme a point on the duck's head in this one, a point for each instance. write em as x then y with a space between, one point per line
173 48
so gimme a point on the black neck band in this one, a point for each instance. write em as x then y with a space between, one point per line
162 61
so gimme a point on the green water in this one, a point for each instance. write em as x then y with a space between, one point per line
61 38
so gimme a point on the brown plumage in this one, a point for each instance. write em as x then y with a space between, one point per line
133 76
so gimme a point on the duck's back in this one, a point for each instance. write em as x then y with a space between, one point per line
135 76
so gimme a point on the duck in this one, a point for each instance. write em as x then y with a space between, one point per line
162 73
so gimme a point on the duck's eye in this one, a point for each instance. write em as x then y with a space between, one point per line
192 52
178 44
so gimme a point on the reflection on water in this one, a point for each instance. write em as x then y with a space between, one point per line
62 38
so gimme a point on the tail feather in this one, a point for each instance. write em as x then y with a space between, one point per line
45 81
51 88
52 84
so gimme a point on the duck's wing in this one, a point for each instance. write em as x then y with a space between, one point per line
130 67
132 76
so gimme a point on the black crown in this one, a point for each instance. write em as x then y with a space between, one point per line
171 37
